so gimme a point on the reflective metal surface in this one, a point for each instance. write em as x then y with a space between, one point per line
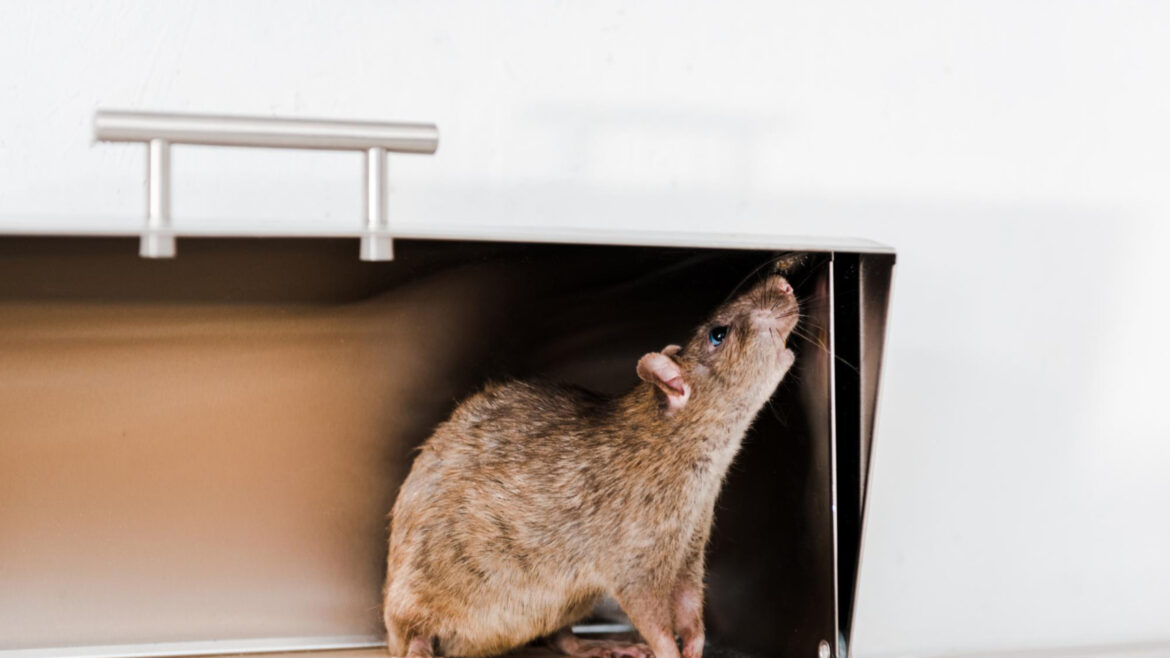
157 243
160 130
377 245
875 279
861 290
267 132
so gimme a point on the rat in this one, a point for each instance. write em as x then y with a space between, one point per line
535 500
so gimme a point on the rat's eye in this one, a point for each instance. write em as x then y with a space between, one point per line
717 335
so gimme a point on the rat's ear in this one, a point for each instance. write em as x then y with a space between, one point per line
662 371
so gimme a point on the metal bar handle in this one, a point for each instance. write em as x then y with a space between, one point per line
159 130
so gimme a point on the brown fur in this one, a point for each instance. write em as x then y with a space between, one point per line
534 500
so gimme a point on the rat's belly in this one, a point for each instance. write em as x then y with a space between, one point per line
497 618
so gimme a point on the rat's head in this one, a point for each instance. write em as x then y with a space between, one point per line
736 358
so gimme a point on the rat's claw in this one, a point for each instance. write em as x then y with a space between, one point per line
632 650
609 649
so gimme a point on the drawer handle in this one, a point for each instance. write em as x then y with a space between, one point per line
160 130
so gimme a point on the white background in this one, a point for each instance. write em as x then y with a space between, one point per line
1016 154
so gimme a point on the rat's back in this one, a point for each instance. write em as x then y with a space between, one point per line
488 534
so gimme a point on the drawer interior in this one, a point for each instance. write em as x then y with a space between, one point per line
207 448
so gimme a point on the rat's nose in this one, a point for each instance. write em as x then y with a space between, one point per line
783 286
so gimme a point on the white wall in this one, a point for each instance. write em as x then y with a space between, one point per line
1017 155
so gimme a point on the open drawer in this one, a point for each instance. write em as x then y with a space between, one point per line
198 455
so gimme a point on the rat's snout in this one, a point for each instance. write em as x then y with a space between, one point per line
772 290
774 307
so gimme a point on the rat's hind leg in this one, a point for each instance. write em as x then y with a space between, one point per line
651 614
686 599
571 645
418 646
687 603
405 643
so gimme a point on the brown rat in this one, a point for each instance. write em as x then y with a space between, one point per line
533 500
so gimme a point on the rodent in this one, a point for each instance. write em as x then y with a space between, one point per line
534 500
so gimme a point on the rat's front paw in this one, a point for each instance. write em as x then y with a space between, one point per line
787 358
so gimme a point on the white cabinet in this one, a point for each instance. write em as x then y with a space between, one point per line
1015 155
